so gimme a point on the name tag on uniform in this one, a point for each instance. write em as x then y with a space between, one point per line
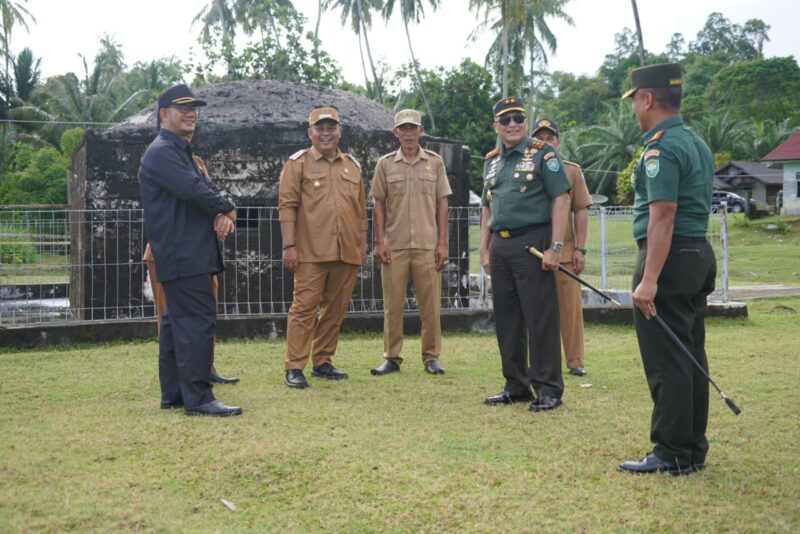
316 171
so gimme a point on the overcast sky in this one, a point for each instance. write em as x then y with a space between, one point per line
150 29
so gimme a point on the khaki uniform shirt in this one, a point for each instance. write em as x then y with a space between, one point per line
579 198
326 202
410 190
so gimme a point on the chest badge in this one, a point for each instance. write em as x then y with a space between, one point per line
529 177
522 188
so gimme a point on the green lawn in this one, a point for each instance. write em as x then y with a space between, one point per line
84 446
757 255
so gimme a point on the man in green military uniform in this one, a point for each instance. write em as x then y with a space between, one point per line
675 269
523 183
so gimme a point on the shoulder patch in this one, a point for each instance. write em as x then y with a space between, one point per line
651 154
656 136
537 144
354 161
549 155
297 154
492 153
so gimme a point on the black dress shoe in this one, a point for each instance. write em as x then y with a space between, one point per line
577 371
388 366
169 405
327 370
544 403
214 409
219 379
653 464
432 367
505 397
295 379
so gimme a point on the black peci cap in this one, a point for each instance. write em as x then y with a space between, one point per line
177 96
655 77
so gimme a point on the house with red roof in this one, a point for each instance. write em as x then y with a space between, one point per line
786 156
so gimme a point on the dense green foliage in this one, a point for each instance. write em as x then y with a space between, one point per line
740 102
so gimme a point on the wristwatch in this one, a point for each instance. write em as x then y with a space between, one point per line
581 250
558 246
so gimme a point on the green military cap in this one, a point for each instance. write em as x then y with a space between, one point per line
506 105
655 77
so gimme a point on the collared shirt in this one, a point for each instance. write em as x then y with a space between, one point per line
520 183
179 204
579 199
677 166
325 199
410 189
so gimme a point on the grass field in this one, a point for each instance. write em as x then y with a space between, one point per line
85 448
757 255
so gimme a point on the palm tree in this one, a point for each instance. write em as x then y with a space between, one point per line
610 146
218 13
523 32
413 11
12 13
359 12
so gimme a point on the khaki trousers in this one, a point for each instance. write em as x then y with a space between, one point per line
428 288
324 286
160 301
570 318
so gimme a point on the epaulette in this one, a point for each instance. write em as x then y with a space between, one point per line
297 154
432 153
492 153
389 155
354 161
656 136
571 163
536 143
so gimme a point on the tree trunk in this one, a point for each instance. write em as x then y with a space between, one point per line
363 65
504 40
418 79
378 87
319 18
638 32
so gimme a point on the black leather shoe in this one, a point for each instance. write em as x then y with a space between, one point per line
215 409
169 405
544 403
327 370
388 366
577 371
295 379
653 464
219 379
432 367
506 398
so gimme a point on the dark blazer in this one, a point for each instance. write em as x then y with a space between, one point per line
179 209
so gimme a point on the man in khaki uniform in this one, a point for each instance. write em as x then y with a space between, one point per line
160 298
574 256
323 216
410 190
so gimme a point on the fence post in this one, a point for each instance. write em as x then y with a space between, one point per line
603 250
723 239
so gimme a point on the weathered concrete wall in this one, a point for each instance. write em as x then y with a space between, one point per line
245 134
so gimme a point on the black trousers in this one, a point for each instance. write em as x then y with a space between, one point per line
526 315
679 391
186 341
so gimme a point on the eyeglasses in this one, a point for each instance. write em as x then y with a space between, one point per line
185 109
518 118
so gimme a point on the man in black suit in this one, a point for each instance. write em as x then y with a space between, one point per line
185 217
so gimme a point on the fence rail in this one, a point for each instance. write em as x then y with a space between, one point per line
72 265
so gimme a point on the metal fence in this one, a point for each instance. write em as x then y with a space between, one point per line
68 265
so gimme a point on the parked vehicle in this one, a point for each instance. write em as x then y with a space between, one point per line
735 203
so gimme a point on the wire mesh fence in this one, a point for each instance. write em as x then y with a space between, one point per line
85 265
